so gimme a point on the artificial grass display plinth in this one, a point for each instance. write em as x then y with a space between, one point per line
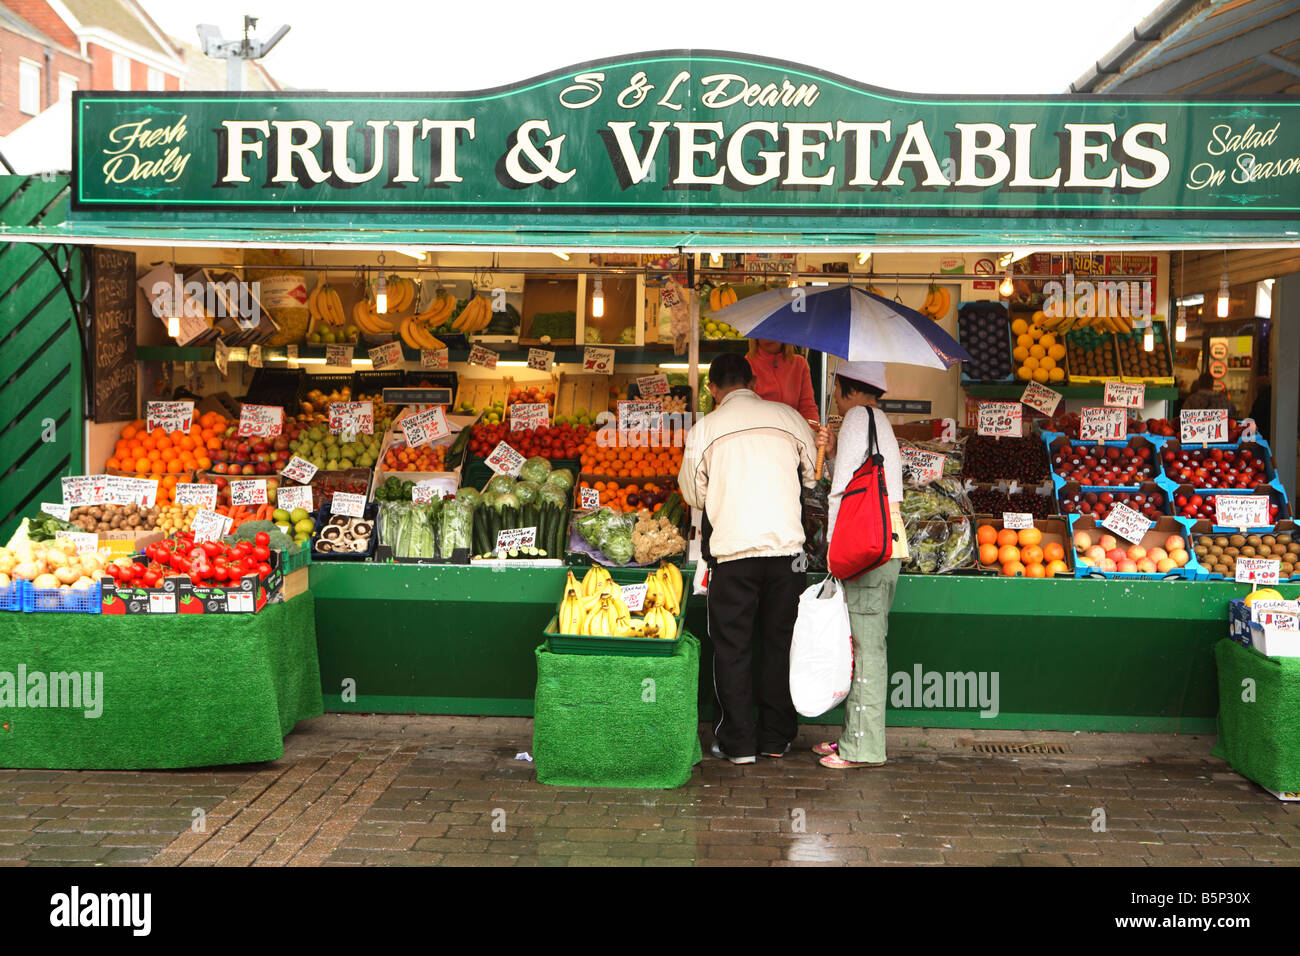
177 690
1260 737
603 721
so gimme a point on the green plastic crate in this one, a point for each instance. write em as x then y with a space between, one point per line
622 576
612 646
297 558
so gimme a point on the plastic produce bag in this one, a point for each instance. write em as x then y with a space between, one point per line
954 454
816 517
821 650
938 547
455 532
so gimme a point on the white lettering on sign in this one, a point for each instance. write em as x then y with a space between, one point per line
352 417
386 355
339 355
526 416
426 426
1124 395
504 460
541 359
1103 424
221 356
291 497
433 358
1258 570
170 416
634 595
482 356
596 359
510 538
588 498
921 467
1017 520
1241 511
1126 523
1041 398
1249 430
299 470
191 494
250 492
62 512
85 542
1203 425
343 503
209 526
651 385
1001 419
262 421
640 416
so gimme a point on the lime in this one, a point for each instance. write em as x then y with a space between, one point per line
304 526
297 515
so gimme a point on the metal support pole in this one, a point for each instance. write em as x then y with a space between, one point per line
1284 372
693 346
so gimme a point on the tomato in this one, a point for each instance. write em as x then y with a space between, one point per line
150 579
220 574
114 572
211 548
263 570
262 553
137 570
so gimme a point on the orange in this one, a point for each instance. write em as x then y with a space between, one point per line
1031 554
1057 567
128 432
114 464
142 464
1013 569
157 433
1008 553
988 554
1053 552
149 443
1035 571
1030 536
987 534
1005 537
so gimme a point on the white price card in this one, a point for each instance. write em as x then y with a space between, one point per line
299 470
122 490
504 460
1017 520
162 602
62 512
433 358
1241 511
339 355
221 356
85 542
263 421
542 360
921 467
432 489
510 538
1262 612
386 355
640 416
426 426
209 526
352 417
1124 395
526 416
651 385
204 496
588 499
483 356
1258 570
78 490
250 492
597 359
1001 419
1041 398
170 416
290 497
634 596
239 601
1203 425
1126 523
255 356
1103 424
1284 621
343 503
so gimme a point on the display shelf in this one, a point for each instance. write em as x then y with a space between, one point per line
1016 389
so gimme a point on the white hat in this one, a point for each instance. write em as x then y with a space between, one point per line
870 373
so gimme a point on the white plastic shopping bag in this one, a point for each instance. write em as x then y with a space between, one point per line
821 652
700 583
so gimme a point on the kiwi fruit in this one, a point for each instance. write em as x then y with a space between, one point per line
1269 539
1254 540
1247 552
1221 541
1237 540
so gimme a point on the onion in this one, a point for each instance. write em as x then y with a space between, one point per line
26 571
44 581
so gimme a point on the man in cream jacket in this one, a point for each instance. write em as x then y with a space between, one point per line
743 465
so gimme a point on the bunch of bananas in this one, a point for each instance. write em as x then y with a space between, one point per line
402 293
475 316
370 321
439 310
415 333
721 296
324 305
595 607
938 301
1120 324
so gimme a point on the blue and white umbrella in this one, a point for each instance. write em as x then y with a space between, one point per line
846 321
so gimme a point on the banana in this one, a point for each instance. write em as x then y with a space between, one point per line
369 321
408 336
334 305
484 317
602 622
313 303
658 619
729 296
439 310
595 577
571 612
672 577
715 299
398 294
927 307
944 305
655 594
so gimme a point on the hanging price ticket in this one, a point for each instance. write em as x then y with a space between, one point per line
262 421
338 355
483 356
541 359
424 427
433 358
1041 398
386 355
595 359
170 416
1241 511
504 460
1124 395
299 470
1001 419
921 467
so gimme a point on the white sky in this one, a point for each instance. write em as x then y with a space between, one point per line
921 46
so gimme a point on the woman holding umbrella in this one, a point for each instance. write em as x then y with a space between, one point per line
782 375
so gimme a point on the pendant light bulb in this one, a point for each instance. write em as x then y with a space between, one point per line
1007 287
715 258
381 295
598 300
1149 337
174 326
1180 326
1223 297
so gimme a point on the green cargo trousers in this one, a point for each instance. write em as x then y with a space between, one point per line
869 599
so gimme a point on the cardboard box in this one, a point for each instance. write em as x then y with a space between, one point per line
1054 531
482 393
123 544
594 393
1286 526
178 595
1274 642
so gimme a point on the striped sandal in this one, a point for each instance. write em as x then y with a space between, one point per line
827 748
836 762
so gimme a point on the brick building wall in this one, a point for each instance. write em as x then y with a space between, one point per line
14 46
40 15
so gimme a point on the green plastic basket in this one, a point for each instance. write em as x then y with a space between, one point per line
611 646
622 576
297 558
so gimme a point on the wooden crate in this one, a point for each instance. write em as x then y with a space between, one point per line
592 392
483 392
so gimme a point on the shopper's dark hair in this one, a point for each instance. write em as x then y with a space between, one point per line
850 385
730 370
1205 382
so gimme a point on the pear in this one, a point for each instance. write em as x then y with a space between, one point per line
346 463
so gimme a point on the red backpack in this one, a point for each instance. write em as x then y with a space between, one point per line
863 539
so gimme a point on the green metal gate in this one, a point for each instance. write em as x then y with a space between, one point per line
41 390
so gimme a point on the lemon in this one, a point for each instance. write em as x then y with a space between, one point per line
1031 363
1019 327
1041 376
710 326
1056 375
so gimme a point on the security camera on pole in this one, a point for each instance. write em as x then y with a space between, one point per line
235 52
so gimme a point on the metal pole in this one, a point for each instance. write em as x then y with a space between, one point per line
693 344
1283 374
234 73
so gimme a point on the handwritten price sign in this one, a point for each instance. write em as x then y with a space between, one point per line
651 385
922 467
596 359
640 416
1124 395
432 489
1041 398
209 526
299 470
248 492
1266 612
504 460
205 496
1258 570
338 355
541 359
526 416
170 416
424 427
1126 523
262 421
1103 424
386 355
1203 425
483 356
352 506
433 358
352 417
588 499
1017 520
291 497
510 538
1241 511
1001 419
634 596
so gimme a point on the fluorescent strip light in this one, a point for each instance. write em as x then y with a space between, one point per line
675 365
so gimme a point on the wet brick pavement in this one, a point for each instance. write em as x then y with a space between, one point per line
398 790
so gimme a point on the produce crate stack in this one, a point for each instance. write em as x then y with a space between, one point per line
1163 553
983 332
1042 550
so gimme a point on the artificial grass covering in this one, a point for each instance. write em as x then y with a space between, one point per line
178 690
1259 738
603 721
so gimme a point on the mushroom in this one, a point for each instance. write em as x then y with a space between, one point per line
324 547
362 529
331 532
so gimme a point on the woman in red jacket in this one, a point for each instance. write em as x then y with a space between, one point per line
782 375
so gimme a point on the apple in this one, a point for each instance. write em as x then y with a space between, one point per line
1165 565
1108 542
1179 557
1157 554
1108 565
1147 566
247 470
219 467
1126 567
1137 552
1117 555
1082 541
1175 543
1097 554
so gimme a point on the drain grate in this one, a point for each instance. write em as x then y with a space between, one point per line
1006 747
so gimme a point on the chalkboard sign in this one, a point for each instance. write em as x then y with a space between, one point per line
112 335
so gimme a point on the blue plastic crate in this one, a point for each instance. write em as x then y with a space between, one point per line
1191 571
11 596
62 600
1276 493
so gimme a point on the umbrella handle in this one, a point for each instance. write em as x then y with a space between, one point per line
821 461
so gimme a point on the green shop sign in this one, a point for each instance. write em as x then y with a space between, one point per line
698 134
